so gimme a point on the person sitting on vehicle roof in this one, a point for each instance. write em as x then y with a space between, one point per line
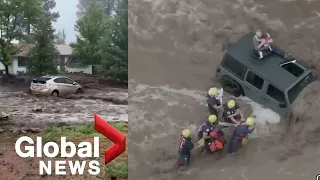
213 103
231 113
263 44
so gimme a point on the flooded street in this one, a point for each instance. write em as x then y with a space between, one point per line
159 114
175 47
28 110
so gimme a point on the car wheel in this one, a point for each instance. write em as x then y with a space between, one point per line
55 93
230 86
79 90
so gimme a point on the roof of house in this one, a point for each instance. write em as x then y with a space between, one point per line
63 49
268 68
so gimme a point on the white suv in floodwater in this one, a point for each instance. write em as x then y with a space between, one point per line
54 86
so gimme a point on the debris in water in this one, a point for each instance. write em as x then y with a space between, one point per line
37 110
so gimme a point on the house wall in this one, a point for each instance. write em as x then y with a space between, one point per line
2 69
2 66
86 69
14 68
10 68
65 58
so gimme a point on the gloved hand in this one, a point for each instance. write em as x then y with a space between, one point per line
234 121
236 124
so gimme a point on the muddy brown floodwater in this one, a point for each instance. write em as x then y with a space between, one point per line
174 49
28 110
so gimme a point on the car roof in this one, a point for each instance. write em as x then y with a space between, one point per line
269 68
54 77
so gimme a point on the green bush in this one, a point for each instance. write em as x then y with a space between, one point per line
119 169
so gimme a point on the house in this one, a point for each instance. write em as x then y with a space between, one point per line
66 62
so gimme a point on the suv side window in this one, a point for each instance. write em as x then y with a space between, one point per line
296 89
59 80
235 67
254 80
275 93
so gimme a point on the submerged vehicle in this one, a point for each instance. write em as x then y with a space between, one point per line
54 86
273 81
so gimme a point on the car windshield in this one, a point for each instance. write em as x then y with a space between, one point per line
295 90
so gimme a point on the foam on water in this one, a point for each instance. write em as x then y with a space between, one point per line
263 116
165 125
172 97
154 123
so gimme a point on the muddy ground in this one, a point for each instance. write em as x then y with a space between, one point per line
21 112
175 47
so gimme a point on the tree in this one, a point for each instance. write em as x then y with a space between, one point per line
82 6
60 37
14 16
109 6
93 28
42 58
47 5
104 40
116 64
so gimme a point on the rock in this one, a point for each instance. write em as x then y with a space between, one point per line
1 153
30 101
16 130
34 130
4 116
6 123
37 110
1 130
60 124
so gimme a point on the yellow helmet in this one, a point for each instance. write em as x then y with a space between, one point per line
186 133
213 91
231 104
212 118
250 121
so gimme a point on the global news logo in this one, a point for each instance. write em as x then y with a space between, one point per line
318 177
83 150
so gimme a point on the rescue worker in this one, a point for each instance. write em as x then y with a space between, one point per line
185 146
231 113
240 134
205 129
213 103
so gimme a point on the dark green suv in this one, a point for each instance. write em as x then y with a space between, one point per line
273 81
